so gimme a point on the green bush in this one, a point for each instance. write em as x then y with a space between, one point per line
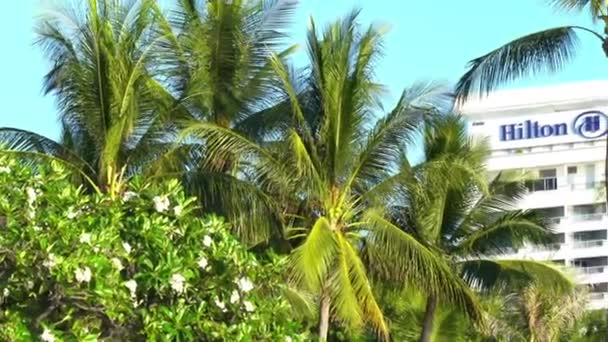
141 266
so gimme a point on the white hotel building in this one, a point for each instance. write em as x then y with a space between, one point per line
556 133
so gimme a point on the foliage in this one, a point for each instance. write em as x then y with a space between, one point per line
138 266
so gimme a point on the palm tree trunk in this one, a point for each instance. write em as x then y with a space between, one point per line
429 315
324 317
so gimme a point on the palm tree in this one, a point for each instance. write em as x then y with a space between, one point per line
548 50
216 60
111 108
462 218
533 313
327 165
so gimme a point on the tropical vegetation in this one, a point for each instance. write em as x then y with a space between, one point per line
173 119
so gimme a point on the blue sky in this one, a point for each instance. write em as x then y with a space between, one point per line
427 40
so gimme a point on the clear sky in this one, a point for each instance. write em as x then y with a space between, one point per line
427 40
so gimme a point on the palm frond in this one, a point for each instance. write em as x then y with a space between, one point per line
399 256
312 260
510 230
486 273
544 51
596 9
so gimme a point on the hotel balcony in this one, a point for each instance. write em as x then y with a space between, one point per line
552 192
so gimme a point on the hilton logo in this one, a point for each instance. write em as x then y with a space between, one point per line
589 125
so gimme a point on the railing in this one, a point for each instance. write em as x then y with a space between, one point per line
554 220
542 184
592 269
587 217
589 243
584 185
597 295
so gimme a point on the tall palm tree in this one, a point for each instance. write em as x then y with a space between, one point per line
111 108
544 51
464 219
327 165
216 60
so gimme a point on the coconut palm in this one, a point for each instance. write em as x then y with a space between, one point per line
216 60
456 213
533 313
325 168
110 106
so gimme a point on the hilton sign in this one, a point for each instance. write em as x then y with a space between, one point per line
589 125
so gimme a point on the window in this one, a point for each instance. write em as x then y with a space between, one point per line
571 170
547 181
547 173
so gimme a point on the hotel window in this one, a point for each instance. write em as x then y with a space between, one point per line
547 181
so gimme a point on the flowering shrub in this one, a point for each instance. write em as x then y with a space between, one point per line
77 267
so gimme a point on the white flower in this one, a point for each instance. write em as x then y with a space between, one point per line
96 249
220 304
31 195
31 212
288 339
127 196
178 210
245 284
50 262
202 263
85 238
29 285
5 169
177 282
234 297
132 286
127 247
36 228
207 241
117 264
161 203
47 336
248 306
83 275
71 213
6 292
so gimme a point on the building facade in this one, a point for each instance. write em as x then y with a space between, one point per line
557 136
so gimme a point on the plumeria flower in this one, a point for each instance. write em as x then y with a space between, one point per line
132 286
245 284
127 247
207 241
234 297
127 196
71 214
203 263
83 275
117 264
47 336
248 306
85 238
50 262
31 195
5 169
177 282
161 203
31 213
220 304
178 210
